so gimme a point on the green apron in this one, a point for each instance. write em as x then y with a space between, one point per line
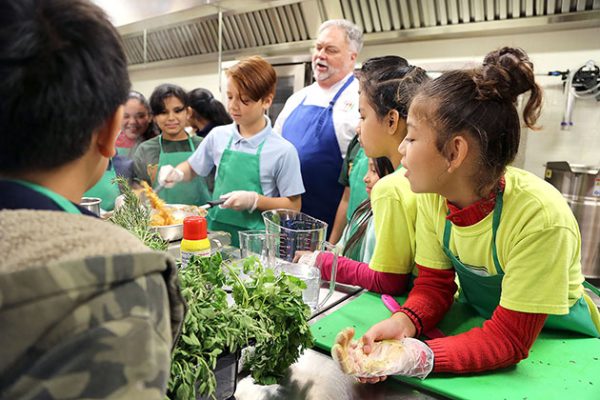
124 151
357 252
483 292
358 190
62 202
237 171
105 189
194 192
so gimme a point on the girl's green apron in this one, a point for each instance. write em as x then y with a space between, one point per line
194 192
358 189
105 188
62 202
482 292
237 171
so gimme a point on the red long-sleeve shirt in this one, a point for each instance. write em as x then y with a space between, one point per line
358 273
503 340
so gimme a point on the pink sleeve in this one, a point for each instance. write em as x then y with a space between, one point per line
357 273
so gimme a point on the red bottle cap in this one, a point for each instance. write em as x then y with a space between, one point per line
194 228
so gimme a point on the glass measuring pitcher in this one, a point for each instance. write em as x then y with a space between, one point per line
293 232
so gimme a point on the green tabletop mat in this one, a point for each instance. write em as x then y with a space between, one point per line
560 365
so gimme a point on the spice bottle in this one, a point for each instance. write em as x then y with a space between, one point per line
195 239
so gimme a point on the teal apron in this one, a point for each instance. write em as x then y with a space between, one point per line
194 192
358 250
125 151
237 171
358 189
62 202
105 189
483 292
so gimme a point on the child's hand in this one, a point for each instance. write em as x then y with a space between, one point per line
240 200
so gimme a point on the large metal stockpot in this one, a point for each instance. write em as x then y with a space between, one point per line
580 185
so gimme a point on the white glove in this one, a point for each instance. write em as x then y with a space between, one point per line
168 176
309 258
119 201
240 200
406 357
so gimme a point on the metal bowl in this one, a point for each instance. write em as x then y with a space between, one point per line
180 211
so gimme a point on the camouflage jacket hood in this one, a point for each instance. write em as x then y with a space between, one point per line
86 310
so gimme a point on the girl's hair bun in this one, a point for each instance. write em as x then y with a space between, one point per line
506 73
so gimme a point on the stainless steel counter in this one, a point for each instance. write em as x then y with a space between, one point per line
315 376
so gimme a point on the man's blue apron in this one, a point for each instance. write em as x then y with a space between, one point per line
310 129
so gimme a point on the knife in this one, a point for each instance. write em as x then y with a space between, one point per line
212 203
158 188
394 307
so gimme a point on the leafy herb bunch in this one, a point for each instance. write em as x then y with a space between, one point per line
134 217
267 309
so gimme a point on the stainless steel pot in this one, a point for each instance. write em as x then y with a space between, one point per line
580 185
92 204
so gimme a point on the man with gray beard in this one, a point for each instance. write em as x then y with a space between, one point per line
321 119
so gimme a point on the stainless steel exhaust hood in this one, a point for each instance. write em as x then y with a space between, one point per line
286 26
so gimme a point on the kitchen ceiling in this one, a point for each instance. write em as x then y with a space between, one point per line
188 31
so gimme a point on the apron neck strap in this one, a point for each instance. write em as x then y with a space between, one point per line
62 202
339 93
495 225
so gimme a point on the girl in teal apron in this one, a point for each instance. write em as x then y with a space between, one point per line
170 108
508 236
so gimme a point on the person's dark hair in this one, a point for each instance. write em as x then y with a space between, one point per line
364 212
204 105
390 83
152 130
482 103
63 73
164 91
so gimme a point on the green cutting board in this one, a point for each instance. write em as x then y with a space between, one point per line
560 365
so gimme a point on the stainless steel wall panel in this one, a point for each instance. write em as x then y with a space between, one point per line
199 38
276 24
502 9
550 7
514 8
453 11
363 11
489 11
376 13
415 13
238 32
293 23
249 31
405 14
428 13
394 15
477 14
528 8
284 25
266 20
565 6
580 5
464 11
300 22
441 12
260 34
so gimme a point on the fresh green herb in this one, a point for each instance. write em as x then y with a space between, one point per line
134 217
267 310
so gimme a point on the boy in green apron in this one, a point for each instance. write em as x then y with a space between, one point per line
257 170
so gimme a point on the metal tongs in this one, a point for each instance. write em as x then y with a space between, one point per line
212 203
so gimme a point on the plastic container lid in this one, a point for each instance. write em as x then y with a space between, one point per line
194 228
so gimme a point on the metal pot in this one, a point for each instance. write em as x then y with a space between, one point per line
180 211
92 204
580 185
